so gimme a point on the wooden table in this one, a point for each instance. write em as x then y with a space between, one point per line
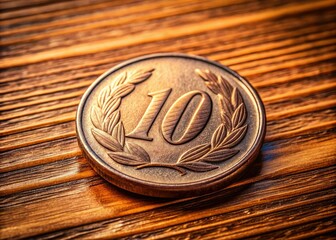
53 50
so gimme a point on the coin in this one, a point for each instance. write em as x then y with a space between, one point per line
170 125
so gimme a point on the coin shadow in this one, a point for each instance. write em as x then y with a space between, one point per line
227 195
232 194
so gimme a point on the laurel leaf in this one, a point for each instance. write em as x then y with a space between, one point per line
120 79
105 125
135 149
218 136
109 109
236 98
140 76
211 80
108 103
213 87
112 121
202 74
96 117
235 137
225 104
210 76
106 140
126 158
112 108
198 166
239 116
123 90
225 86
226 121
103 95
220 155
118 133
194 153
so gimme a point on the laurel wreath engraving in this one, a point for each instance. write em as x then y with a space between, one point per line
109 130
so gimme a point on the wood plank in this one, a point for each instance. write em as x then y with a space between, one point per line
242 227
104 45
43 8
321 229
243 55
272 33
40 15
143 13
256 193
104 229
52 51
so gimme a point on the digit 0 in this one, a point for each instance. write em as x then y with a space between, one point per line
197 122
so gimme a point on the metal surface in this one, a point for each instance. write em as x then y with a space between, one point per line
170 125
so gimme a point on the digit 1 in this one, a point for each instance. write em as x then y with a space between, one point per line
147 120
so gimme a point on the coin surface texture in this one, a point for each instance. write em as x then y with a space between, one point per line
170 125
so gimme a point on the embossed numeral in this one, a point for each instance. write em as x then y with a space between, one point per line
142 129
196 124
197 121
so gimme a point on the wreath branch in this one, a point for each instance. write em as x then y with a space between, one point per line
109 130
165 165
227 135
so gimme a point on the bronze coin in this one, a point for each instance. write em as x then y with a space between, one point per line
170 125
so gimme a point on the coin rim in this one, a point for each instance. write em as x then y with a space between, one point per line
155 189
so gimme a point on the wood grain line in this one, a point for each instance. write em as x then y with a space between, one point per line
46 139
318 232
165 11
157 35
41 161
97 34
39 110
103 229
292 78
237 67
10 5
252 231
300 110
65 79
240 54
270 59
45 16
300 93
288 64
303 30
39 101
68 117
38 9
78 19
321 228
12 189
263 192
301 131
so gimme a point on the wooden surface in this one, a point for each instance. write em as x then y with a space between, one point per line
53 50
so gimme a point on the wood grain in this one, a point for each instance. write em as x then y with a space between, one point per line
53 50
